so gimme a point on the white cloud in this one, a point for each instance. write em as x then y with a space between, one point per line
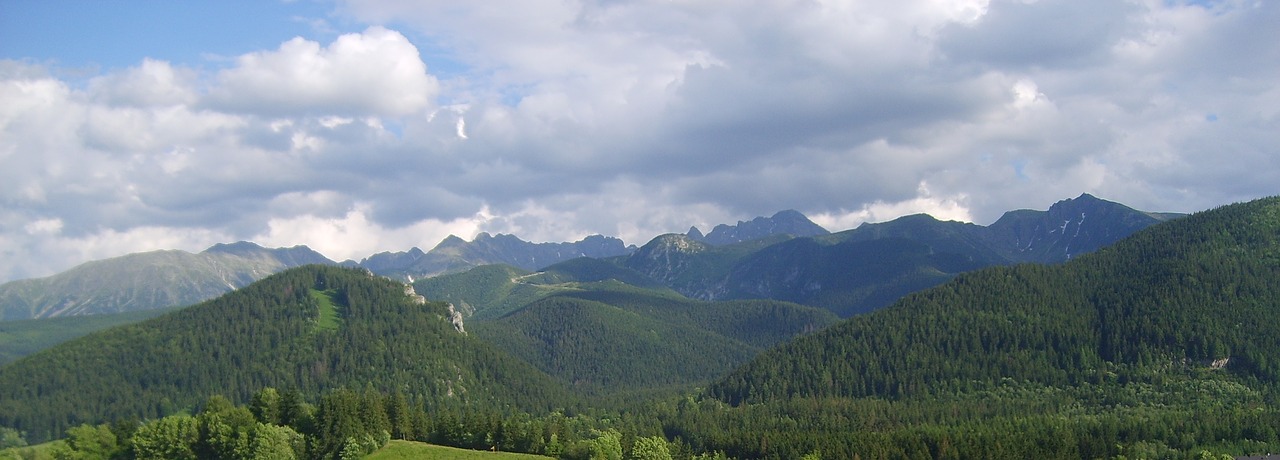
558 119
354 236
153 83
377 72
942 208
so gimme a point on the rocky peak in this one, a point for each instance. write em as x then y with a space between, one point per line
789 222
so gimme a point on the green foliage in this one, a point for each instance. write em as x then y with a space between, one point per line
10 437
1159 347
87 442
596 346
604 445
1174 298
264 335
266 406
650 448
174 437
601 335
488 291
407 450
23 337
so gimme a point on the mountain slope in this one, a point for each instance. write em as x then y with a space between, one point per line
1195 292
1069 228
309 328
867 268
19 338
849 277
148 280
580 322
596 346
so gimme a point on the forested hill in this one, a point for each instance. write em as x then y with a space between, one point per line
1191 294
309 329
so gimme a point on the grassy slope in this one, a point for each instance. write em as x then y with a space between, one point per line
328 319
398 449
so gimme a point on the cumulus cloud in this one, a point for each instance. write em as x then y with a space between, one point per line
376 72
558 119
153 83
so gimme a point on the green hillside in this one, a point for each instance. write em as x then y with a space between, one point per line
598 347
268 334
1190 291
487 291
576 321
1162 345
23 337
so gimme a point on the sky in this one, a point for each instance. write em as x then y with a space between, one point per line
361 126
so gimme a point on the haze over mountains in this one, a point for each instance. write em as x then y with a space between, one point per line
785 257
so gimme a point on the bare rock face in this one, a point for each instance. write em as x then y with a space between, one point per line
412 294
456 318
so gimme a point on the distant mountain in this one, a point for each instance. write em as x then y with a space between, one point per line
149 280
860 270
789 222
454 255
691 267
1196 293
312 328
1068 229
843 272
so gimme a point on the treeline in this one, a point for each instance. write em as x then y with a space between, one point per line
268 334
1190 418
1186 416
347 424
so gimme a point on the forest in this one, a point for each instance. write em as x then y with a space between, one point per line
1160 346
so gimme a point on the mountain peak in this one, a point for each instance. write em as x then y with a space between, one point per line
237 248
1069 227
789 222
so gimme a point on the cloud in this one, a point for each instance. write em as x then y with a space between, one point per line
153 83
376 72
354 236
553 120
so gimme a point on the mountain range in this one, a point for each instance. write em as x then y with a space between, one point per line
148 280
785 257
455 254
862 269
1158 345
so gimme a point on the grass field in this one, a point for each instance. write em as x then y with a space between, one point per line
405 450
328 310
